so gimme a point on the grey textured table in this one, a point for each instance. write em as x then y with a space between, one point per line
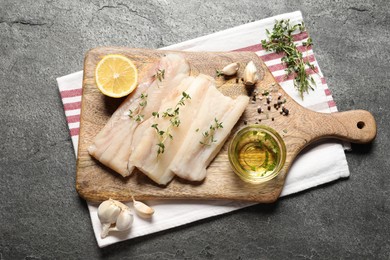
41 215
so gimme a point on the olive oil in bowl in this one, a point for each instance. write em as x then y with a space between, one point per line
257 153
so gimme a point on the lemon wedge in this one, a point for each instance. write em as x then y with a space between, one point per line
116 75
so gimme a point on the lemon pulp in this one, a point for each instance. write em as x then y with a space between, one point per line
116 75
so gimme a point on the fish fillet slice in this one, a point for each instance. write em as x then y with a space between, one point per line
145 137
118 121
112 146
194 157
145 155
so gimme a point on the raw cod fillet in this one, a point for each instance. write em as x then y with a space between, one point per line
112 146
145 154
195 156
125 143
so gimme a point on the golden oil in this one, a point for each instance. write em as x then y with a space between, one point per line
257 153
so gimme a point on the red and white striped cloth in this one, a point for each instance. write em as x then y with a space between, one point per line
323 163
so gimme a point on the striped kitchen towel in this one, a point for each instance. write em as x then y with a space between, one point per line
321 163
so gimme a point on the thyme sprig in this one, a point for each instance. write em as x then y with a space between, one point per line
173 115
208 136
218 73
136 113
281 40
160 74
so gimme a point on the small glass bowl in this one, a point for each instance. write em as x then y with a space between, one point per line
257 153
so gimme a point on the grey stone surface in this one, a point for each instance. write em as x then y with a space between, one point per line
41 215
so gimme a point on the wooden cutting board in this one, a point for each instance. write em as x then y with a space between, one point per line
95 182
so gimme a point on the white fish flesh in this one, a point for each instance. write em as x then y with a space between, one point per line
125 143
194 157
145 155
112 145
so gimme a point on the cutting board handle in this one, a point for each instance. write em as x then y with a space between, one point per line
356 126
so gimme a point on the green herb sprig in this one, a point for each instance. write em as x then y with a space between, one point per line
160 74
173 115
218 73
136 113
281 40
208 136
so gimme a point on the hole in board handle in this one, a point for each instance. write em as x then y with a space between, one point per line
361 125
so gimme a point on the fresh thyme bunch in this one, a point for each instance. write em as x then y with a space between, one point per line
280 40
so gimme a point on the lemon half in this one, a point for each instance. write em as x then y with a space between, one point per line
116 75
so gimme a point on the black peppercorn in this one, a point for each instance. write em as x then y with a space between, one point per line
285 111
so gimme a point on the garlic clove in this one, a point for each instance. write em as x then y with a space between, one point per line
230 69
124 221
142 209
108 212
250 74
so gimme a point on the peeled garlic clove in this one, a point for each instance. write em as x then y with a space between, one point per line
250 74
124 221
142 209
108 212
230 69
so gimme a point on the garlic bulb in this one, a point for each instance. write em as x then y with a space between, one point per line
230 69
250 74
114 212
142 209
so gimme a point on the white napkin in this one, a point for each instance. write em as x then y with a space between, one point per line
321 163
